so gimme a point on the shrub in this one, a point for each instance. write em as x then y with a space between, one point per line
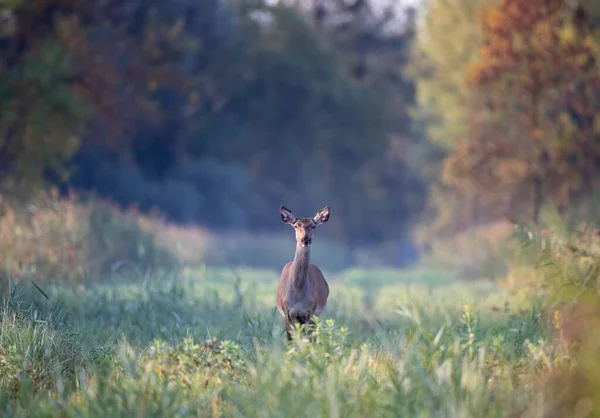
53 237
118 239
567 264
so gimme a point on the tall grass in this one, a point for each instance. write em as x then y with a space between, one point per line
61 238
57 237
194 344
567 267
203 340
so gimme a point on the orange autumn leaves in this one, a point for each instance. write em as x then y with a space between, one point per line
531 44
533 84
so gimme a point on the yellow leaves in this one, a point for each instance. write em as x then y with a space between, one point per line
569 33
493 21
475 75
557 320
528 63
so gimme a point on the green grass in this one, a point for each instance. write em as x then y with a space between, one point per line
210 342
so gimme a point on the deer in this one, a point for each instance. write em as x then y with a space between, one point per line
302 291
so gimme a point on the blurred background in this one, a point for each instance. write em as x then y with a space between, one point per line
150 133
146 147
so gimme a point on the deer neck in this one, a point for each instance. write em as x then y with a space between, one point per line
300 266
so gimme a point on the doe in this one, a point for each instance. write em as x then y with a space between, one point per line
302 290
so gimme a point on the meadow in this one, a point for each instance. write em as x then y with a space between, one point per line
208 341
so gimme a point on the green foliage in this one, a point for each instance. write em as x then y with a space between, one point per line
35 357
565 256
209 112
58 238
567 268
40 117
442 55
508 101
445 47
329 129
181 346
119 240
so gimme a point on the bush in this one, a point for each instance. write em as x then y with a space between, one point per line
118 239
64 238
53 237
566 264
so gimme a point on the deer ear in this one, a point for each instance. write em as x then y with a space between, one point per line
322 216
286 215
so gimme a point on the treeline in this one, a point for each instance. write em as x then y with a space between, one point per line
217 112
508 96
214 112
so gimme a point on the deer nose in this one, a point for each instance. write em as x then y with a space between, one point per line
306 241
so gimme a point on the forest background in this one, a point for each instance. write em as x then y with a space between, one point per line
147 145
423 125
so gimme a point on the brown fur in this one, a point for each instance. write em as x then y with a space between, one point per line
320 287
302 290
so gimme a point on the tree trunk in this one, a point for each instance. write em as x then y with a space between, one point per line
536 198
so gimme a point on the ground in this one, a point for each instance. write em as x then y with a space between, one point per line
210 342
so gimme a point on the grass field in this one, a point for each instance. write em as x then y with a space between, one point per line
209 342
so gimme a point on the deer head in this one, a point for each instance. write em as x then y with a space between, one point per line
304 227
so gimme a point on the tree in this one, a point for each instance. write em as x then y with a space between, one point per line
215 114
373 41
446 45
40 117
532 51
312 128
123 62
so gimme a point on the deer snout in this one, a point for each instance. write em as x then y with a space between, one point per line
306 241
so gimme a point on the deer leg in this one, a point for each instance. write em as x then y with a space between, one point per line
304 322
311 328
287 330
